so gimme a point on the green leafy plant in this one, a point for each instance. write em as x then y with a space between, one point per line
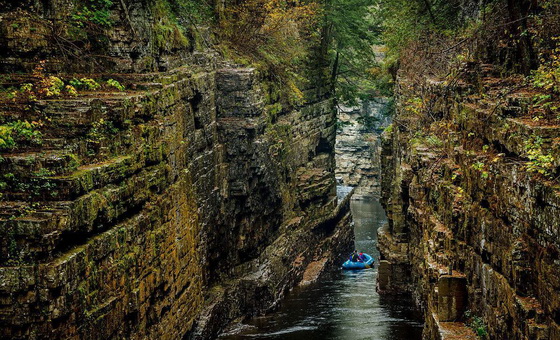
19 131
478 166
476 324
389 129
43 86
547 76
85 84
43 172
539 161
115 84
96 12
481 167
100 130
168 34
415 106
71 90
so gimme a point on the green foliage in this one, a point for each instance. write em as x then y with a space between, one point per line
421 139
276 37
168 34
415 106
96 12
405 22
19 132
51 86
84 84
539 162
43 172
352 29
481 167
478 165
115 84
100 130
273 110
71 90
547 76
476 324
192 12
389 129
43 86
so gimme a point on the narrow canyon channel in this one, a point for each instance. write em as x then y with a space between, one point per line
344 305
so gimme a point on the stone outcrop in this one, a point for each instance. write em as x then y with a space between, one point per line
192 201
473 224
166 210
358 147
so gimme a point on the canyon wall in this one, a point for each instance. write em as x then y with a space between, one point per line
166 210
474 216
358 146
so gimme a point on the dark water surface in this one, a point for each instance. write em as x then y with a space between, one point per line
344 306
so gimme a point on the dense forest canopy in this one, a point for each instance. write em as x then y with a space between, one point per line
346 38
421 37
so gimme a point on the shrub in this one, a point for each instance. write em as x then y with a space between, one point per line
115 84
19 131
547 76
539 162
84 84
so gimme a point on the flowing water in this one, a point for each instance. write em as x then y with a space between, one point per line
344 306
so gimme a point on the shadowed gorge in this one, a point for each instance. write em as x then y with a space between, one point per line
169 169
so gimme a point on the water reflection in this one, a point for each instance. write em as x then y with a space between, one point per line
344 306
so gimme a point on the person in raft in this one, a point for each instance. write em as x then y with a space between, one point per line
361 257
354 257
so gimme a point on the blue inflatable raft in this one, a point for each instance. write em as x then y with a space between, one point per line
359 265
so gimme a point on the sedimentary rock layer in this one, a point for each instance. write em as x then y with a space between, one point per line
473 225
165 210
198 196
358 146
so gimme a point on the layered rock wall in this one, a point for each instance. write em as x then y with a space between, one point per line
358 146
163 211
473 222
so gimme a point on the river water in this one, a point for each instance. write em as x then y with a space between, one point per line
343 306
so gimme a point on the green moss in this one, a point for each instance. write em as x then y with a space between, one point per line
74 162
279 136
168 34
